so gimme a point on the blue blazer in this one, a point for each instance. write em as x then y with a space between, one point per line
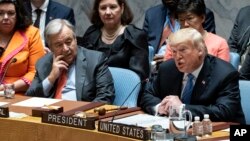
155 19
216 90
55 10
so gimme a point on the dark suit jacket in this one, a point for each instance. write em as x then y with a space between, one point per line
216 91
154 23
240 34
55 10
93 78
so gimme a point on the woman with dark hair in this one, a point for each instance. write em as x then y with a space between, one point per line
20 46
124 44
192 13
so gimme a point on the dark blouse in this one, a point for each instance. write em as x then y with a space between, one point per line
129 50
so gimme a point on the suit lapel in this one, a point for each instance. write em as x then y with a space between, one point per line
81 65
203 78
49 13
160 26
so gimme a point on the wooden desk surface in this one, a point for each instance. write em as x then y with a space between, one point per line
32 129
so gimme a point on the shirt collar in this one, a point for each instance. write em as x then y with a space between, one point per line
43 7
195 73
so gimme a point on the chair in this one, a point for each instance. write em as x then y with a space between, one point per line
235 59
127 86
245 96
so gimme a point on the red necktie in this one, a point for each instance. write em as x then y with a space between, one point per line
60 84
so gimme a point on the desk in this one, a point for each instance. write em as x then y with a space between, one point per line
31 129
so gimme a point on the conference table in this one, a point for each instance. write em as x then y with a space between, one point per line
31 128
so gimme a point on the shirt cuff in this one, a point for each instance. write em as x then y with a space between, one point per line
46 86
156 109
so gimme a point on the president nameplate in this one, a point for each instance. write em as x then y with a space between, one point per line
129 131
71 121
4 111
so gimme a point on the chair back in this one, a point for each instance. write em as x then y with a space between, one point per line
235 59
245 97
127 86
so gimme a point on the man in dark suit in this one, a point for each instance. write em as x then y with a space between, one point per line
155 19
239 39
49 10
52 10
71 72
213 88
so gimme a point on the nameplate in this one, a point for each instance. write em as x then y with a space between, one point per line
77 122
129 131
4 111
38 111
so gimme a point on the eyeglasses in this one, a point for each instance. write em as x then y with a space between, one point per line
10 14
1 51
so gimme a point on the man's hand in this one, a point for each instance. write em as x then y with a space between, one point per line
57 67
168 101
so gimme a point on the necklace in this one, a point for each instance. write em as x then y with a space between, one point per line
111 37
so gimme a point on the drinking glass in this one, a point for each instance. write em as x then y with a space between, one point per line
178 121
9 91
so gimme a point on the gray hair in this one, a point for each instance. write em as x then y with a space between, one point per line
55 26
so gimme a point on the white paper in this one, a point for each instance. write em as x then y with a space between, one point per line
144 120
17 115
226 130
3 103
1 93
36 102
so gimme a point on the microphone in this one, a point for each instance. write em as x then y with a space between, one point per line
102 125
120 107
13 60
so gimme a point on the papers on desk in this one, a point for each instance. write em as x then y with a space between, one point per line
144 120
17 115
36 102
1 93
226 130
3 103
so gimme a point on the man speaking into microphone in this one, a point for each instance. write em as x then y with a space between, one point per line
71 72
204 83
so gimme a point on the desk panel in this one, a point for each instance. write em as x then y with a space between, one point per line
31 128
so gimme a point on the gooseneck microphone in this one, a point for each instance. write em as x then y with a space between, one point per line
120 107
13 60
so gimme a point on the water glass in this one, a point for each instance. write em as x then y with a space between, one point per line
178 123
160 134
9 91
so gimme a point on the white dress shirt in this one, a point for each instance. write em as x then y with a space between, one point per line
42 18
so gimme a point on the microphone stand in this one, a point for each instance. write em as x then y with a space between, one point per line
6 69
141 82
